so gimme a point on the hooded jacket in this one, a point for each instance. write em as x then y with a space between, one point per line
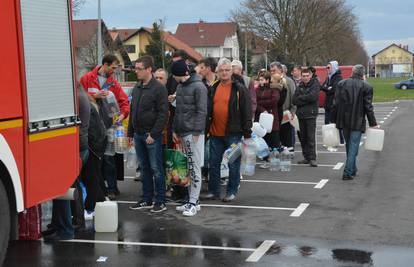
330 85
191 107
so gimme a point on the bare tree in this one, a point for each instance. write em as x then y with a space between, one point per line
76 6
303 31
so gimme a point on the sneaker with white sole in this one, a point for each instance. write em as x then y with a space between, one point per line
159 207
187 206
190 210
141 205
89 215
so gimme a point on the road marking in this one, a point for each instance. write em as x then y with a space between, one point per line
338 166
381 122
326 152
299 210
128 243
277 182
321 184
319 165
260 251
219 206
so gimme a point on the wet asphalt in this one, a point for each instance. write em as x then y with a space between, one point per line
365 222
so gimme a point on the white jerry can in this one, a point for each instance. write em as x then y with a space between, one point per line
375 139
106 217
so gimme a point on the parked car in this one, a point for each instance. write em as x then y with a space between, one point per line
406 84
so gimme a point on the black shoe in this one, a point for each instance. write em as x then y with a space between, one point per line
141 205
49 231
209 196
304 161
117 192
313 163
159 207
346 177
111 196
56 237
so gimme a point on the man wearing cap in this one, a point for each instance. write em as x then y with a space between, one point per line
188 127
353 101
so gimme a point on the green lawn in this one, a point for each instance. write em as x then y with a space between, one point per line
384 90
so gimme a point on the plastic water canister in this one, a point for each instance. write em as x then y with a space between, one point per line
249 154
295 123
258 129
375 139
266 121
132 159
106 216
274 160
330 135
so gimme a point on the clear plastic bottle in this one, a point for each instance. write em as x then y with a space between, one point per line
112 104
232 153
121 141
250 158
285 160
275 160
110 145
132 159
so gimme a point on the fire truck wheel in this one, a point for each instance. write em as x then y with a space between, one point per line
4 223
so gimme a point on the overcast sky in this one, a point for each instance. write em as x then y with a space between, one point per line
382 22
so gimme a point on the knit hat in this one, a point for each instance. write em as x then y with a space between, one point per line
358 71
179 68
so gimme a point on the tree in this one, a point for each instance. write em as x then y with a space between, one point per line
76 6
304 31
155 46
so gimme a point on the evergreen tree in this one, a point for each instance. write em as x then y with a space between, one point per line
154 48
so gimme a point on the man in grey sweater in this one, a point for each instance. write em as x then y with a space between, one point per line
188 127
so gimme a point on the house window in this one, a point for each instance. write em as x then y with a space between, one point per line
130 48
227 52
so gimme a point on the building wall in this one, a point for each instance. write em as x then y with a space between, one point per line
209 51
394 55
135 40
233 44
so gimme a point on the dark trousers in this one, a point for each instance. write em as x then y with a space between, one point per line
352 138
217 147
109 173
286 137
272 139
151 162
92 179
77 206
307 138
329 119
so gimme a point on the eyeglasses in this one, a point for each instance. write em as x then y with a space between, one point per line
140 69
225 70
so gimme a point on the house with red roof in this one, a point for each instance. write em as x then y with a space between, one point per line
211 39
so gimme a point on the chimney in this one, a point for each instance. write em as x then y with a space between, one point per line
406 47
200 25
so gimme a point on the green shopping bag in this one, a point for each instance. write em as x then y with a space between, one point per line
176 168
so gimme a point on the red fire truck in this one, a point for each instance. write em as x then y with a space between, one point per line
39 157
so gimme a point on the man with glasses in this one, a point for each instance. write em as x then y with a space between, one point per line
149 114
306 99
99 83
229 117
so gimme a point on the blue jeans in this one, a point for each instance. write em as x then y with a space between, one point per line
151 163
328 119
352 139
109 173
217 147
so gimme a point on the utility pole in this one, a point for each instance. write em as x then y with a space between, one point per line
246 69
99 57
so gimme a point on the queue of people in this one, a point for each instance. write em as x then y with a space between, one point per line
203 108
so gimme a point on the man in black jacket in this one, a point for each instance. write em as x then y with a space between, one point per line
149 114
306 99
353 101
229 117
329 87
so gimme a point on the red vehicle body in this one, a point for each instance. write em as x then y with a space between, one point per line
39 151
323 74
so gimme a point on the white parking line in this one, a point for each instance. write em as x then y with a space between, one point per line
324 152
220 206
381 122
260 251
318 185
338 166
127 243
319 165
321 184
299 210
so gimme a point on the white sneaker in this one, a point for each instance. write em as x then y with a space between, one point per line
89 216
190 210
187 205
